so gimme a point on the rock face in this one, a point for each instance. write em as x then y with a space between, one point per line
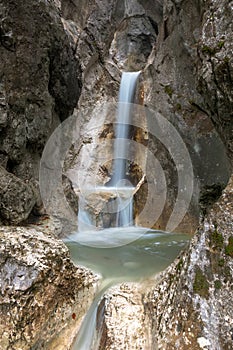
17 197
126 325
43 296
39 86
215 67
192 305
162 40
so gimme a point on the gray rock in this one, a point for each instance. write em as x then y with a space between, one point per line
17 198
39 82
133 37
192 305
43 296
130 328
215 67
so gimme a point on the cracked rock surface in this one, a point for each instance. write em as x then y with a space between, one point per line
39 86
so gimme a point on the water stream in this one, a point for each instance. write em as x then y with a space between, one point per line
126 97
135 261
121 252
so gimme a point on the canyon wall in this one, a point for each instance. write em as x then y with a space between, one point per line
60 56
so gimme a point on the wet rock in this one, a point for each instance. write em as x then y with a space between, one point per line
132 36
43 296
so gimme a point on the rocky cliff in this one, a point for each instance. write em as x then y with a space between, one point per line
39 86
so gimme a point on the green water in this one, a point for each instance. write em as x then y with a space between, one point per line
151 253
120 255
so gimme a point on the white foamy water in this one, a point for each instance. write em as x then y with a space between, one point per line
126 97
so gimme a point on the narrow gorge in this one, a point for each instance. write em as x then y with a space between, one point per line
116 233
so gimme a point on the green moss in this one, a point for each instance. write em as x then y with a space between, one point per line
168 90
221 262
178 107
229 247
212 50
201 285
220 44
217 284
226 59
216 240
208 50
227 272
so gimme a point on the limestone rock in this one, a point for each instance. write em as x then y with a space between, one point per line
122 319
192 305
170 86
43 296
17 198
216 67
39 82
161 39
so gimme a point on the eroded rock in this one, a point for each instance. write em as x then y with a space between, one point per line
215 67
39 83
192 305
122 319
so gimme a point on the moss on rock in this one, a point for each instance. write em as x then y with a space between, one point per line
201 285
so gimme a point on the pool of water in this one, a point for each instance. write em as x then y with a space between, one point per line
120 255
108 252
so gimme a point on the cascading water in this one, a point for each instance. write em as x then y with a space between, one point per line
126 97
122 205
130 254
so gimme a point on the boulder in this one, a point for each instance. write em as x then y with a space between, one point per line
43 296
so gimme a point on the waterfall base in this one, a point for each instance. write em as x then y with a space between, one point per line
104 207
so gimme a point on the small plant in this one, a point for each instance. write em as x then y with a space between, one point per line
168 90
217 284
220 44
221 262
178 106
208 50
217 240
179 265
201 285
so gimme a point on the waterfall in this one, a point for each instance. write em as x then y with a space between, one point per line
121 208
126 97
